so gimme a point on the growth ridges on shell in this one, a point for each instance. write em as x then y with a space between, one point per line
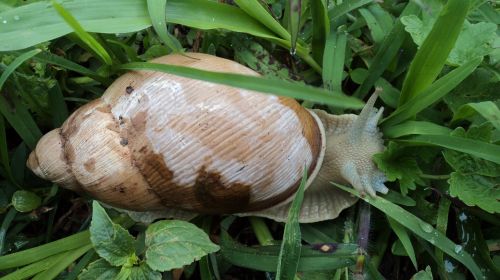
169 84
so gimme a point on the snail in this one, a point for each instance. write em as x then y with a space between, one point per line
156 141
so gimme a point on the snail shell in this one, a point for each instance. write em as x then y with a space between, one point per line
157 141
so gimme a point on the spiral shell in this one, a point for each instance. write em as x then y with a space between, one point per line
156 141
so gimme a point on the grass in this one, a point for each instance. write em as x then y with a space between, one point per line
440 126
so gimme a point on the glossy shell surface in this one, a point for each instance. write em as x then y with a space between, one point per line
156 140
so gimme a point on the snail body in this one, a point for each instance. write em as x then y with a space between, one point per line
156 141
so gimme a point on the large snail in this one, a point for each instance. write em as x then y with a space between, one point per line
157 141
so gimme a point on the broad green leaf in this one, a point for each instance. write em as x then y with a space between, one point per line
173 244
476 190
481 85
25 201
252 54
487 109
474 40
476 148
260 84
468 164
431 56
421 229
288 259
399 165
432 94
389 47
111 241
254 9
415 127
99 270
405 240
156 9
321 27
144 272
82 34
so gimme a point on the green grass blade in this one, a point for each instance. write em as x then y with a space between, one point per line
57 106
7 220
41 252
16 63
432 94
294 10
4 155
334 58
265 258
432 55
476 148
421 229
157 9
49 58
345 7
264 85
378 21
82 34
415 127
405 240
16 113
254 9
321 28
130 51
288 260
486 109
34 268
67 260
389 47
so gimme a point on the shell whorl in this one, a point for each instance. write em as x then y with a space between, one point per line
155 140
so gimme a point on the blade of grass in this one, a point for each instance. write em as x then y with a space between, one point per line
57 106
334 58
254 9
378 26
405 240
80 265
288 259
260 84
131 54
321 28
67 259
345 7
442 224
389 47
486 109
20 119
480 149
90 41
41 252
34 268
432 94
16 63
415 127
4 155
156 9
430 58
293 9
421 229
5 226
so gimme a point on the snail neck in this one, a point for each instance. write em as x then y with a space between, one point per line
351 142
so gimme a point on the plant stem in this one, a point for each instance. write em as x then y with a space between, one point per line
261 231
435 177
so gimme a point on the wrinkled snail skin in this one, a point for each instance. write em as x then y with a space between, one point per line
156 141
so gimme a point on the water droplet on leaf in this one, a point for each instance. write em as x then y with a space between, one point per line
458 249
426 227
